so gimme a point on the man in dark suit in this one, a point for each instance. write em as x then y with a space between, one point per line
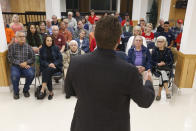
104 84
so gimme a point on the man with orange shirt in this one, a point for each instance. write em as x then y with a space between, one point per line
64 31
9 34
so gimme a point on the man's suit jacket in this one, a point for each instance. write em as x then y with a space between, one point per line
104 85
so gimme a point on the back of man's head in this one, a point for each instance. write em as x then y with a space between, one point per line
107 32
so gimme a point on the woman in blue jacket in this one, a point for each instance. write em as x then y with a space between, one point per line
50 63
139 55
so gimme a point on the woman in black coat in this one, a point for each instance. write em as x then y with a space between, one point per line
50 63
162 63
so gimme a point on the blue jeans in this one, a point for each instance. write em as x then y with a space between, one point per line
17 72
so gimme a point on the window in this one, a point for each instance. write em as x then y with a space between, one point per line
103 4
72 4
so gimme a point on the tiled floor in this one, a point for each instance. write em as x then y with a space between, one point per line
29 114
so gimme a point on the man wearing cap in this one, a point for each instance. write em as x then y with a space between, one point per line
126 19
176 30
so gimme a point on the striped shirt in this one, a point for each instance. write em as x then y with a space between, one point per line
21 53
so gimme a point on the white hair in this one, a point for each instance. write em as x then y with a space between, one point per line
73 41
55 27
161 38
21 31
70 13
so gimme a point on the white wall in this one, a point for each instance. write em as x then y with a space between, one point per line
63 5
165 9
188 42
3 41
53 8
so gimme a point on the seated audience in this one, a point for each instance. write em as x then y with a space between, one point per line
149 35
72 23
160 28
73 51
65 32
139 55
21 56
127 28
50 63
176 30
42 30
118 16
136 31
93 45
34 39
162 63
16 25
85 23
55 20
83 41
126 19
92 17
49 26
9 34
78 16
59 39
178 41
142 24
168 34
79 28
68 28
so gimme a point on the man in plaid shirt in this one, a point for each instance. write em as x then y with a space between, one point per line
21 56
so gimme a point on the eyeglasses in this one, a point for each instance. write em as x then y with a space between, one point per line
21 36
160 41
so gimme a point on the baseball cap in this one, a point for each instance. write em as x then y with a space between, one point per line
179 21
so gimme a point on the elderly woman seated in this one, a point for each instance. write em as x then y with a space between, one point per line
136 31
139 55
73 51
50 63
162 63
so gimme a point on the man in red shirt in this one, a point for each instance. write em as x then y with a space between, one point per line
59 39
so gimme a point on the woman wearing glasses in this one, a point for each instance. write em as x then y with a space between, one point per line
162 63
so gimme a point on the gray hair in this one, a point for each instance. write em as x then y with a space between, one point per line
137 28
73 41
55 27
70 13
21 31
161 38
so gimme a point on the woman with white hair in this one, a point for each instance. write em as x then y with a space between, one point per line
136 31
16 25
162 63
73 51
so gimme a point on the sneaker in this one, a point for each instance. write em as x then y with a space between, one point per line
26 93
16 96
158 98
168 96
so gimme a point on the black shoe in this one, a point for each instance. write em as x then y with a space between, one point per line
16 96
41 95
50 97
67 96
26 93
56 80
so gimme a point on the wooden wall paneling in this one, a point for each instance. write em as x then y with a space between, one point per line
27 5
5 70
159 10
185 70
175 13
84 5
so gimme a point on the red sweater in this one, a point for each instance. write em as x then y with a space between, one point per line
93 45
92 19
